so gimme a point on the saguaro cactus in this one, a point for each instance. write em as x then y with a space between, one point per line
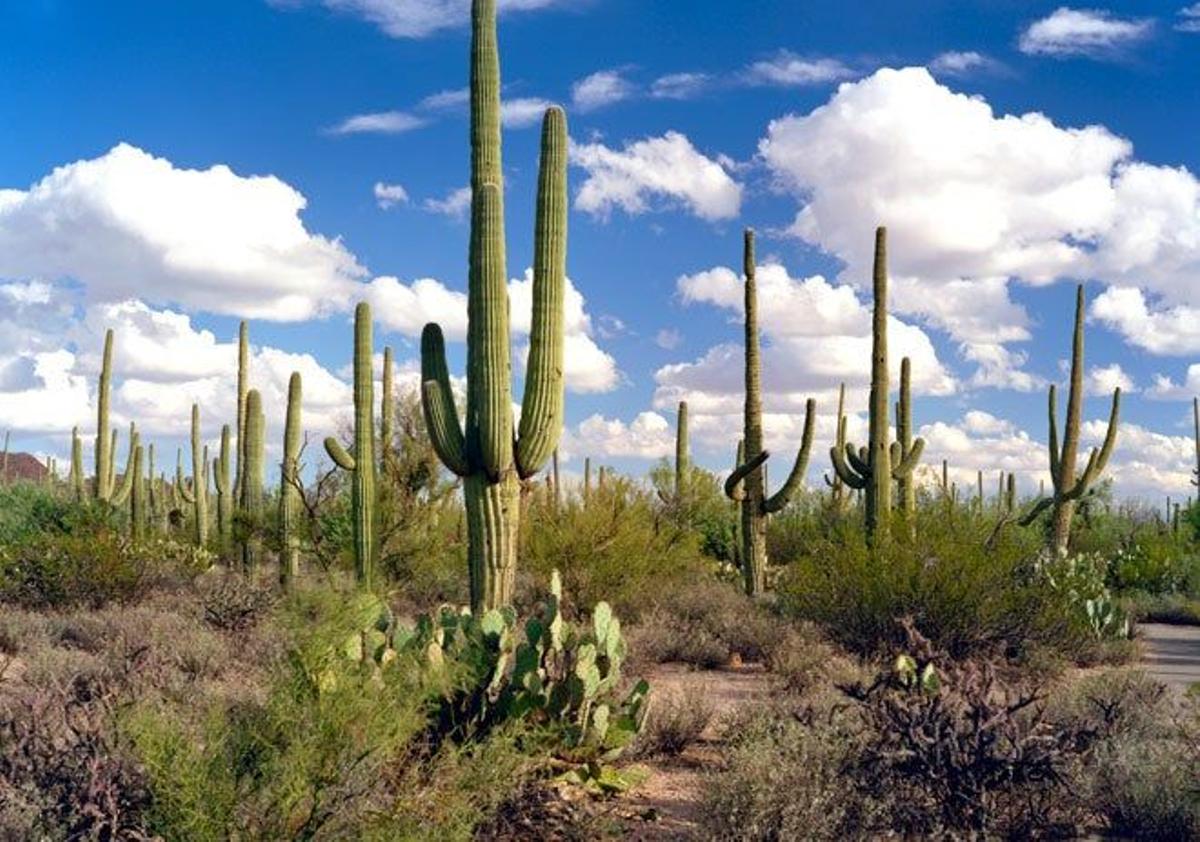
750 473
121 496
1196 416
252 481
874 467
837 488
225 500
199 499
289 491
361 465
487 455
904 448
1069 486
78 481
243 387
137 498
682 459
104 479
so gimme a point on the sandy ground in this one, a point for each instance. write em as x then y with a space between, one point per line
1171 653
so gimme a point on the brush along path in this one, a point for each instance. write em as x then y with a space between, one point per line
666 806
1171 653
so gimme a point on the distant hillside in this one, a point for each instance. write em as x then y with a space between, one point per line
23 466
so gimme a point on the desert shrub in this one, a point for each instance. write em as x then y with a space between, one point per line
1154 561
676 721
784 778
1146 788
617 547
804 661
29 510
705 623
703 508
233 602
1175 609
92 568
64 770
969 590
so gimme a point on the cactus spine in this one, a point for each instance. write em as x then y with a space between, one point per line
871 468
750 474
252 481
361 465
224 492
1069 486
489 458
289 491
104 479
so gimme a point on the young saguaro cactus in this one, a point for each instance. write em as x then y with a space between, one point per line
488 456
137 498
1070 486
682 459
750 474
289 489
243 388
361 465
252 481
104 459
837 488
78 482
874 467
199 499
225 499
904 447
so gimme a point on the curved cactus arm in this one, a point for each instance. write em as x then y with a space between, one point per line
829 481
847 474
339 455
490 368
1098 459
180 483
908 464
1038 507
122 493
437 401
742 471
858 459
1055 454
897 452
542 405
780 498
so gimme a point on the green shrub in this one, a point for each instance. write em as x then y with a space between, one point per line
616 548
1175 609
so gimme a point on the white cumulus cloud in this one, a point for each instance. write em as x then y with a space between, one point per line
600 89
790 70
1081 32
389 195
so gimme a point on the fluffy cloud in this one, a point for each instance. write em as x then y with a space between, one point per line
1000 368
1165 389
524 112
128 224
602 88
789 70
455 205
960 63
1164 330
1081 32
389 195
1102 380
679 85
666 167
406 308
1189 19
668 339
973 199
380 122
415 18
648 436
1145 462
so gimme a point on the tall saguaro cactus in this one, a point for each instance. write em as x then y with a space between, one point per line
137 498
199 499
225 499
1196 416
682 459
361 465
243 388
104 459
486 454
78 481
1070 486
252 481
904 447
874 467
837 488
749 475
289 491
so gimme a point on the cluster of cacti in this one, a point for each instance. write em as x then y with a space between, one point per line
361 464
874 467
488 456
748 480
1070 486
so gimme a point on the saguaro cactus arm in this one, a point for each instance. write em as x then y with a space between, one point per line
848 474
122 493
780 498
907 463
542 404
1098 458
735 479
339 454
437 402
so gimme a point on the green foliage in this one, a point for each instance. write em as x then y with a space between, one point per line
701 507
616 548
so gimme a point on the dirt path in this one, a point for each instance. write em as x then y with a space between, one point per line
666 806
1172 653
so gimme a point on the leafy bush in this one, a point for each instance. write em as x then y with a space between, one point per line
616 548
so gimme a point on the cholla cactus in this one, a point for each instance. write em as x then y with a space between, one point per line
361 466
490 456
1069 487
750 474
289 490
874 467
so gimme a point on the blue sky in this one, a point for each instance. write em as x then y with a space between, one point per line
282 159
